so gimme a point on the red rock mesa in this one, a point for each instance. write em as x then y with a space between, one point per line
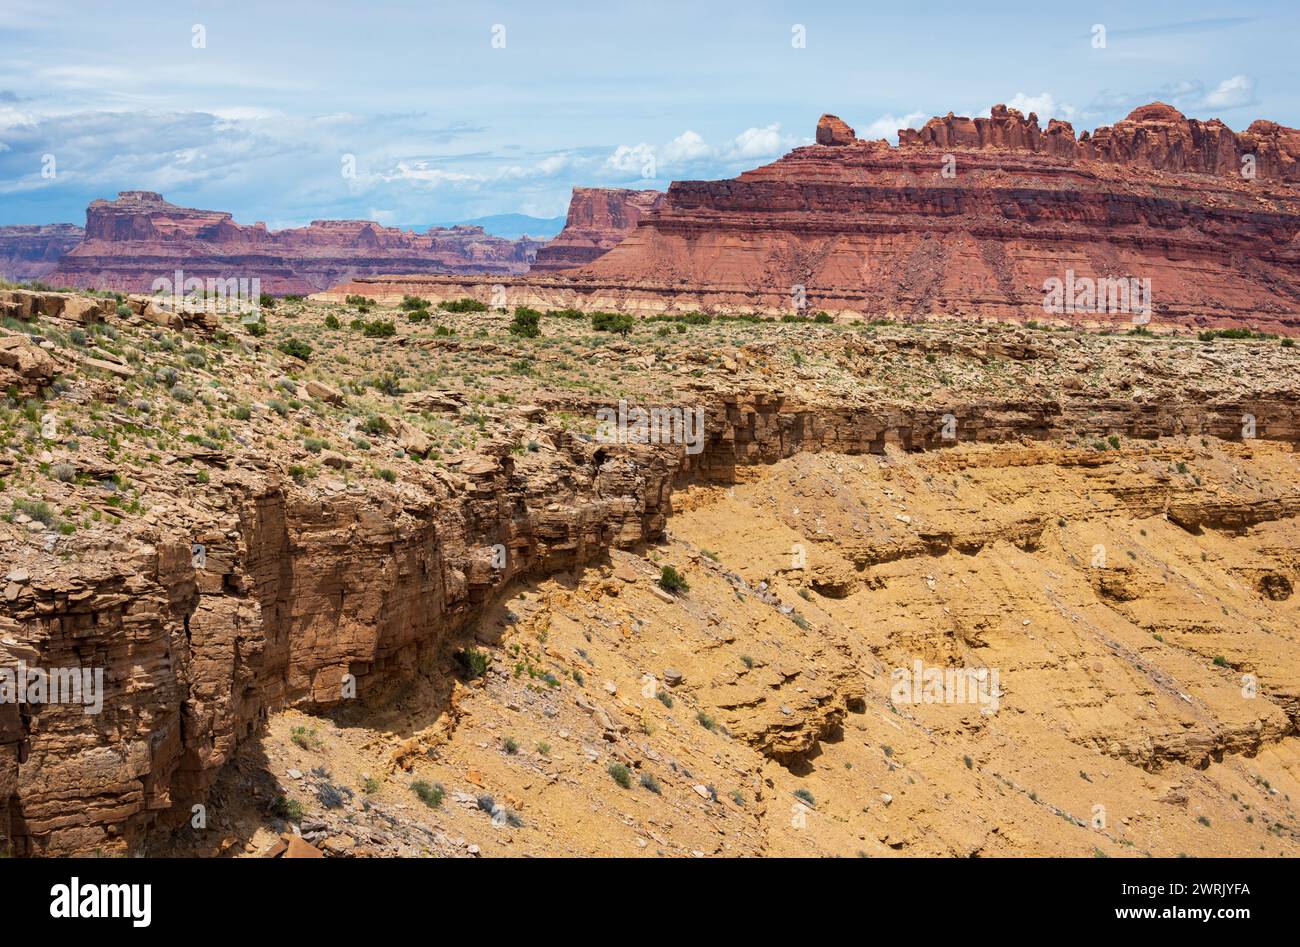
599 217
140 237
968 217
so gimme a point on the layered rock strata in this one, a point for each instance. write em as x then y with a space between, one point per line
140 237
599 217
304 596
31 252
1155 221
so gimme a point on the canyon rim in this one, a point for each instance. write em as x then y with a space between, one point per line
884 459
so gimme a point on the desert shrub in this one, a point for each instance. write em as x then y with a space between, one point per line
378 329
621 775
473 661
612 322
429 793
38 510
295 348
462 305
305 738
526 323
670 580
374 425
290 809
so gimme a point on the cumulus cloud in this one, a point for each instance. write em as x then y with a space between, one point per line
758 142
1043 105
685 148
1231 93
887 126
632 160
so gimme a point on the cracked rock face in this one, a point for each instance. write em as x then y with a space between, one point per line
832 130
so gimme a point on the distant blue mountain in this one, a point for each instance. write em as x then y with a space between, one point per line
512 226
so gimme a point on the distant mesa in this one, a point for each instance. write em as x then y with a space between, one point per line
599 218
30 252
133 240
966 217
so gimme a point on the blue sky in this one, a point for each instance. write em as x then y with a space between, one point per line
446 125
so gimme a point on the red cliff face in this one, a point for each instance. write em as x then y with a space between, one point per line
31 252
1155 136
599 217
976 217
141 237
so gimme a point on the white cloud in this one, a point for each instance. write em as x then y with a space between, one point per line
1231 93
1044 105
887 126
631 159
759 142
548 167
686 147
420 172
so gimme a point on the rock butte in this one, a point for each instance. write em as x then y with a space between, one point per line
599 217
140 237
871 229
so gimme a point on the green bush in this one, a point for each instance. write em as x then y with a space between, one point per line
670 580
295 348
378 329
612 322
430 793
621 774
473 661
375 425
290 809
462 305
526 323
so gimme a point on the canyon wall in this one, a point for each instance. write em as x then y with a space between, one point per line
31 252
969 217
599 217
140 237
301 586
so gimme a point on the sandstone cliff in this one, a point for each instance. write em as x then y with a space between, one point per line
320 567
599 217
31 252
969 217
140 237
